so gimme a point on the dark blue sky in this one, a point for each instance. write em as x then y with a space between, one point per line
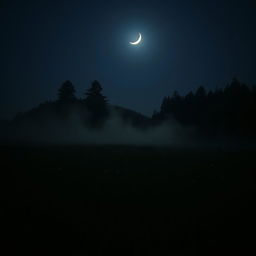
185 44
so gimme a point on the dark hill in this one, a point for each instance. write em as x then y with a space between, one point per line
70 122
65 112
132 117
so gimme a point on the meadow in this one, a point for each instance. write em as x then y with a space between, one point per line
127 200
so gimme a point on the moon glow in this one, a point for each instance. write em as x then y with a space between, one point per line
138 41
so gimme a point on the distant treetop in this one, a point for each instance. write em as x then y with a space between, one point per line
66 92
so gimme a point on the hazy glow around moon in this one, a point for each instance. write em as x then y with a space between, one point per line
138 41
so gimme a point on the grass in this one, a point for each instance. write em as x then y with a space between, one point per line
128 200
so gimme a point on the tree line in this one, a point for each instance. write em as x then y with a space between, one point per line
230 110
92 108
225 111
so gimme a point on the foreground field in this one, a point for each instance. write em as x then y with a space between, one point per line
127 200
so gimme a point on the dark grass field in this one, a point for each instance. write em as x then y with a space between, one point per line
117 200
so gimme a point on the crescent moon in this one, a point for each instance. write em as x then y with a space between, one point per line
138 41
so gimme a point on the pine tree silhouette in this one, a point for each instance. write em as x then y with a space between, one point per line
66 93
96 103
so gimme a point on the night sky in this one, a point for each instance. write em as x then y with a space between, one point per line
185 44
